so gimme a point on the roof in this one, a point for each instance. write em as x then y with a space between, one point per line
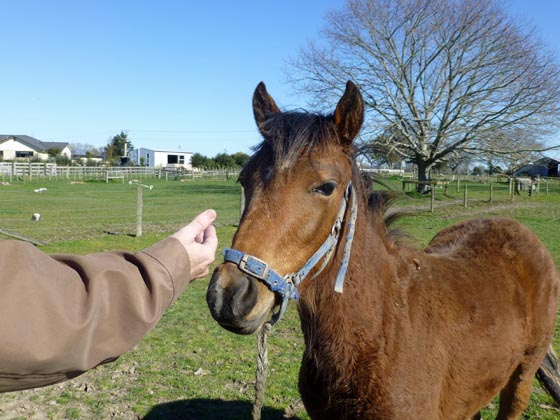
38 145
547 161
165 151
56 144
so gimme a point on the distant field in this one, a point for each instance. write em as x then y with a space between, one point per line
189 367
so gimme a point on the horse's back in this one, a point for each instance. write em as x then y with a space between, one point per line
499 255
492 288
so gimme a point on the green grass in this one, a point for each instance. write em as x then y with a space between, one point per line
188 367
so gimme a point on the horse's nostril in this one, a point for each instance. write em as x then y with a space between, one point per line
231 295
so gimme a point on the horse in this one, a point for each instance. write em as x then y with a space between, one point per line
390 331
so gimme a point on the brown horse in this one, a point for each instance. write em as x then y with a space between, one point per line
400 334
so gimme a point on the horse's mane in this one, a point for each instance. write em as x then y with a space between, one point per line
382 216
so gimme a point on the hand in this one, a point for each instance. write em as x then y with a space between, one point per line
200 241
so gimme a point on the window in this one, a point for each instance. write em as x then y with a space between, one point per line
182 159
171 159
24 154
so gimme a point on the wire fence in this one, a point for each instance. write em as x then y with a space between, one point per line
53 211
64 209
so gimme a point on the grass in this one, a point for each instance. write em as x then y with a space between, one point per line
188 367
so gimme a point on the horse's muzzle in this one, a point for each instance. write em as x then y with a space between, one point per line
231 297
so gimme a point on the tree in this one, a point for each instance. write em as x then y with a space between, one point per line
85 149
240 159
199 161
119 146
443 75
507 152
54 152
223 160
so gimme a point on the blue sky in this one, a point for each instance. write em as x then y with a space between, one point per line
175 74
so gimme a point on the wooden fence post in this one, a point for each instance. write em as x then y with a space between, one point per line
511 188
242 203
433 199
465 198
491 192
139 199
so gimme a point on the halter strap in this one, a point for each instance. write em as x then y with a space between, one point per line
286 286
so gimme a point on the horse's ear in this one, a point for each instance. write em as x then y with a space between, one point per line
349 114
263 105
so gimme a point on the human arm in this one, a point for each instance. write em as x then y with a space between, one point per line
62 315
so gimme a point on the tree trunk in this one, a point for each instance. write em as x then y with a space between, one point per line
423 171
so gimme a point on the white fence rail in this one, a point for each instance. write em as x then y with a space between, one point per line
21 171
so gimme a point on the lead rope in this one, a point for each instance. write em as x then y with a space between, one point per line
262 369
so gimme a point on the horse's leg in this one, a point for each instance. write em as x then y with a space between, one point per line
514 398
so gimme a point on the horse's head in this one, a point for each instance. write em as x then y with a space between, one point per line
294 186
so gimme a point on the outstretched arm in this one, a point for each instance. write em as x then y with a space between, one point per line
62 315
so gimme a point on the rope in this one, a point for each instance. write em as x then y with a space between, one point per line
262 369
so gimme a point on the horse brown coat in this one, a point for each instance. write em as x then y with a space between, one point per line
432 334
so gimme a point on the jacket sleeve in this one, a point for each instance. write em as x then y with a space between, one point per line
61 315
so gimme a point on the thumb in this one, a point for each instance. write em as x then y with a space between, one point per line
200 223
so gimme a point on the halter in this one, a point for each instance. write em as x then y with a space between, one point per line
286 286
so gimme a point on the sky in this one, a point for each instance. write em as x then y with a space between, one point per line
175 75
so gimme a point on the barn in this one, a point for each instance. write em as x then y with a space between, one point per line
545 167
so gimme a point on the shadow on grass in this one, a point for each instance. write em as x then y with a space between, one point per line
205 409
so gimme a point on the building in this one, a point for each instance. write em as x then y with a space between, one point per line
161 158
545 167
14 147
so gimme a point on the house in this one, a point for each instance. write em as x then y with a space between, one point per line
545 167
161 158
14 147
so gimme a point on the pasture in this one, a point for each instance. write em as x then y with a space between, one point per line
188 367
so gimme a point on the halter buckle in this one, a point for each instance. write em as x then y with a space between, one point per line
253 266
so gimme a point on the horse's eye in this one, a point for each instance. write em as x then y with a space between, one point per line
326 189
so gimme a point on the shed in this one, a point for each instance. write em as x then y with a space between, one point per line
161 158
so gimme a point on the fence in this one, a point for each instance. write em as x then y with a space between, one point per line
71 207
76 210
25 172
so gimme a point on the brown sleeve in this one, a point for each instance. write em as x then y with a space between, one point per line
61 315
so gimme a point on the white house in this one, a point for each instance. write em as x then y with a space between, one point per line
14 147
161 158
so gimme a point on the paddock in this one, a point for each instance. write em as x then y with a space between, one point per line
189 367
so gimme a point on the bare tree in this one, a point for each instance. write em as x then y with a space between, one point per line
507 152
439 76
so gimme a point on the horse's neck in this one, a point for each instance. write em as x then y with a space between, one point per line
340 319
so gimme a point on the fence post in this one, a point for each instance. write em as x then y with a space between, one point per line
465 197
433 199
242 202
491 192
511 188
139 211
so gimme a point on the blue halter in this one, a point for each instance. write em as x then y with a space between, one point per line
286 286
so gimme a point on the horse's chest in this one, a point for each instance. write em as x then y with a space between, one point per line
334 393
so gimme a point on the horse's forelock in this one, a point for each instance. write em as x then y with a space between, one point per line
289 134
